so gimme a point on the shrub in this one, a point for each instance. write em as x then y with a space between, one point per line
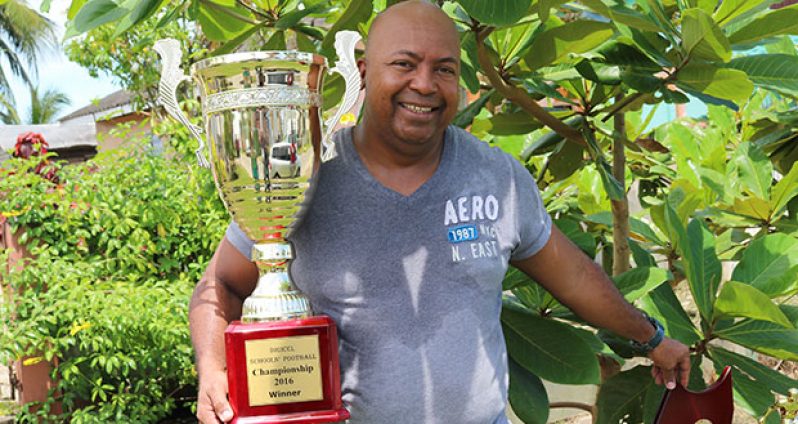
117 247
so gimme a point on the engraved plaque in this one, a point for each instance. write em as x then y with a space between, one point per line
283 370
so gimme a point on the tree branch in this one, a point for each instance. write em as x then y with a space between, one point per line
620 208
519 96
575 405
620 104
229 12
255 11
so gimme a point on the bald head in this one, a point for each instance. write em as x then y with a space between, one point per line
409 18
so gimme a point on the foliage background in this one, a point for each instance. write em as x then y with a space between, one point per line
562 86
118 247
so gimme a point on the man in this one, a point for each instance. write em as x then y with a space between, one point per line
405 246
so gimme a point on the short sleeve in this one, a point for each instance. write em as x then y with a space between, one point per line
237 238
532 219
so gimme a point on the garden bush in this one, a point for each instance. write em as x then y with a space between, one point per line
117 247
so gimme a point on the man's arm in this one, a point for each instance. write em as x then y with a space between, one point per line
216 301
579 283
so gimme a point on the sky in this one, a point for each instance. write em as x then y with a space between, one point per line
56 71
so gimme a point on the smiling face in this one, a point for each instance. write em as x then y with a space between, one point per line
411 72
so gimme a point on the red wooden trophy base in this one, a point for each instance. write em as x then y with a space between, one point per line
715 403
284 372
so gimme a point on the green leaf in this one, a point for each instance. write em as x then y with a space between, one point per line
764 337
357 12
784 45
730 9
533 296
771 417
652 44
632 18
141 10
304 43
548 348
636 226
702 266
722 83
572 229
791 311
333 90
637 282
513 123
662 303
220 22
753 397
599 72
74 8
752 207
641 256
468 77
612 186
763 375
514 278
742 300
784 191
703 38
293 17
778 72
623 397
623 54
527 395
753 168
276 41
770 264
496 13
556 44
466 116
777 22
231 45
93 14
566 159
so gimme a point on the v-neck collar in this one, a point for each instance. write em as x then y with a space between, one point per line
353 161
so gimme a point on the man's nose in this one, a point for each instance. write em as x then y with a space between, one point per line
423 81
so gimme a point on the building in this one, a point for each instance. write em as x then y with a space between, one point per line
112 110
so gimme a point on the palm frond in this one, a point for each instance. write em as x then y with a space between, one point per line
8 111
46 106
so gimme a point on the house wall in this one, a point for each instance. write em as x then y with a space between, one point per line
139 127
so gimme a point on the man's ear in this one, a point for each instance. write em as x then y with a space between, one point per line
361 66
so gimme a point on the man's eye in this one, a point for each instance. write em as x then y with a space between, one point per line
448 71
402 64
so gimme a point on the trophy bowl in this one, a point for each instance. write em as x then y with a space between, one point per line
262 121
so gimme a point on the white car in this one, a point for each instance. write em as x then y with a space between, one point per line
284 161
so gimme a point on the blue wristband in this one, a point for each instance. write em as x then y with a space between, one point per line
653 342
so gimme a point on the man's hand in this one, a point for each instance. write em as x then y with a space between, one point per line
671 363
212 405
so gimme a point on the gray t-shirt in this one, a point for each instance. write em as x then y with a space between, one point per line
414 282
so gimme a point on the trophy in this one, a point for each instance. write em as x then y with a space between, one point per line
262 116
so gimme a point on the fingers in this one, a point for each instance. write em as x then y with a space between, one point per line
212 405
671 363
656 373
205 412
669 378
684 371
222 408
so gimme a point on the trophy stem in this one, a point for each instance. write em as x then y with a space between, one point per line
275 297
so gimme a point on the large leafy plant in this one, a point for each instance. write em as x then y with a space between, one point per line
116 248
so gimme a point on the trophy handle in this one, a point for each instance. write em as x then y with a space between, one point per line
171 77
345 42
